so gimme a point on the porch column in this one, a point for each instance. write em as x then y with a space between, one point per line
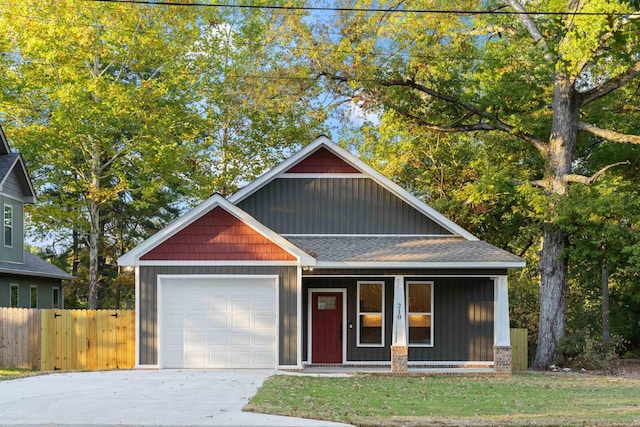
502 333
399 349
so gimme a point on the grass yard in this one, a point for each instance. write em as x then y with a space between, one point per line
12 373
539 399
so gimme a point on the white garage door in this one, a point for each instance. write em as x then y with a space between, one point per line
217 322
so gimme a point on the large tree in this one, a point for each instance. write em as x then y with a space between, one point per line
548 75
93 101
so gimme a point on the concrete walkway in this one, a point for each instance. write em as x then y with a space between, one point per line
139 397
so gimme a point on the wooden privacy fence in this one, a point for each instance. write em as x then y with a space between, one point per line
50 340
519 349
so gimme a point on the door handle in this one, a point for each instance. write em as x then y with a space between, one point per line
340 332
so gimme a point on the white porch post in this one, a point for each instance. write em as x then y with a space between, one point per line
502 333
399 349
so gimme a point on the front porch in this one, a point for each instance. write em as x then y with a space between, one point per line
418 323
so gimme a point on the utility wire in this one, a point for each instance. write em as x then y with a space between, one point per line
357 9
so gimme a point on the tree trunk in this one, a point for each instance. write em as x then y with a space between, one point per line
553 260
553 282
94 233
94 236
605 303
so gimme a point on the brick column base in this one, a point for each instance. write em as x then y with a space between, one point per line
399 358
502 360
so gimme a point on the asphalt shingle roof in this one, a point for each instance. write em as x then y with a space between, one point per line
35 267
398 249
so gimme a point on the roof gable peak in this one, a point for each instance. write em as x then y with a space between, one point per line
357 164
14 163
134 256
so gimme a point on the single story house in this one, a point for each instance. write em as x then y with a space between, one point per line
320 261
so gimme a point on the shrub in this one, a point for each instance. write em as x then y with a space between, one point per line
581 350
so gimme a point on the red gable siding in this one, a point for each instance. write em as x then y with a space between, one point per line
218 236
322 161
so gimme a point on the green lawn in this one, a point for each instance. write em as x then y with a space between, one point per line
539 399
12 373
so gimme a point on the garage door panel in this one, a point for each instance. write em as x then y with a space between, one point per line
218 322
241 322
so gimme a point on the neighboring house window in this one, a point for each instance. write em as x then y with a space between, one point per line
34 296
371 314
56 298
8 225
14 296
420 313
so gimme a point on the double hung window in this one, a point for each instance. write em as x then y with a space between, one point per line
8 225
13 296
56 298
420 313
370 314
34 296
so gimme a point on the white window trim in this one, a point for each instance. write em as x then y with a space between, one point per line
4 225
55 290
11 286
358 313
31 288
419 282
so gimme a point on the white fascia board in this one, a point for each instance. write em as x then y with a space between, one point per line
322 175
448 265
31 197
358 164
271 174
26 198
431 236
164 263
133 256
303 257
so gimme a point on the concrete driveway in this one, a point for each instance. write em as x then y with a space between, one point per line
139 397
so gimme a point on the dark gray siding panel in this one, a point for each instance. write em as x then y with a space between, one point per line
335 206
288 320
463 319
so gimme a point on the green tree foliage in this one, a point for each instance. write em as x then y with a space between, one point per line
97 113
252 92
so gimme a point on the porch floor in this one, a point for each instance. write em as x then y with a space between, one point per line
346 370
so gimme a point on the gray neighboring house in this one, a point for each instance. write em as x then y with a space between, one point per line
26 281
320 261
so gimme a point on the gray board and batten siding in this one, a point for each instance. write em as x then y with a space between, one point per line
12 187
287 318
335 206
463 319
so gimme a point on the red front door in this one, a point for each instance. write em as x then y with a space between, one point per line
326 327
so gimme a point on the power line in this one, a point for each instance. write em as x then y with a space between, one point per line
371 10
